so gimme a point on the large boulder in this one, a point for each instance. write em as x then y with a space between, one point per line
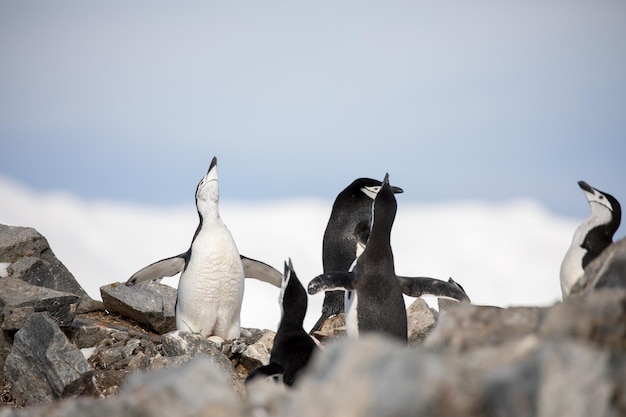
43 365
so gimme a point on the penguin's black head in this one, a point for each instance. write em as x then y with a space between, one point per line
368 186
603 206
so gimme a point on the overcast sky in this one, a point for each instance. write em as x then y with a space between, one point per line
129 101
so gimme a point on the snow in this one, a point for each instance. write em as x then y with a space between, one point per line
502 254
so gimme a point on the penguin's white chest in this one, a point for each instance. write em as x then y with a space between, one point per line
210 290
352 320
572 265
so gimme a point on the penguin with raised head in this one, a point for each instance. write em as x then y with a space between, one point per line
211 285
380 305
590 238
293 346
353 205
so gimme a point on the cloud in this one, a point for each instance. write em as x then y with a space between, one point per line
503 254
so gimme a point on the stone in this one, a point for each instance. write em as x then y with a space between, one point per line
196 388
151 304
467 326
421 320
40 266
43 365
182 346
608 270
378 376
19 300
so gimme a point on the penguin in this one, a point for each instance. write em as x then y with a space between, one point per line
590 238
293 346
379 305
211 285
353 205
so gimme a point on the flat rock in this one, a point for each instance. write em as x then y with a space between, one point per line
43 365
466 326
19 300
151 304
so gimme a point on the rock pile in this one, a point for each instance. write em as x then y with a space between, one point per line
63 354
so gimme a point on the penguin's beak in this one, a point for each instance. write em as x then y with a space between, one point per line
586 187
396 190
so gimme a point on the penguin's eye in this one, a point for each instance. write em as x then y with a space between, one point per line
601 197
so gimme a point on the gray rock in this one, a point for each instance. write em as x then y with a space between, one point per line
151 304
41 267
376 376
421 320
560 378
608 270
467 326
196 388
19 300
180 346
43 365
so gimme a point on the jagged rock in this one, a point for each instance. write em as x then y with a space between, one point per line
151 303
182 346
421 319
196 388
257 352
608 270
43 365
332 328
41 266
19 300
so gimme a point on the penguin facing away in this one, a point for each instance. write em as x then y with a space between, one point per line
380 306
211 285
353 205
293 346
590 238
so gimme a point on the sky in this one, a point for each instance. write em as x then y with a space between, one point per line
486 114
459 101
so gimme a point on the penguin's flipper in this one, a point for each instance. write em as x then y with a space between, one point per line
331 281
164 268
419 286
261 271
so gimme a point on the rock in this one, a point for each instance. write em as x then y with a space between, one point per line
257 353
43 365
183 346
421 320
549 382
608 270
377 376
467 326
32 259
19 300
196 388
151 303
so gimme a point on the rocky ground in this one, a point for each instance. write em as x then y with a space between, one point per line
64 354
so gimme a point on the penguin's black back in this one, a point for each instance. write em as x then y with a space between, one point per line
381 305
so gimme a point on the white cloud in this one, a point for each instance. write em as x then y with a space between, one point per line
503 254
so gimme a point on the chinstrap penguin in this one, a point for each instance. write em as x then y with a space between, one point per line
211 285
380 306
353 205
293 346
590 238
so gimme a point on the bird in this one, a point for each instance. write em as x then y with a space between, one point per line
379 305
352 206
293 346
211 285
592 237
